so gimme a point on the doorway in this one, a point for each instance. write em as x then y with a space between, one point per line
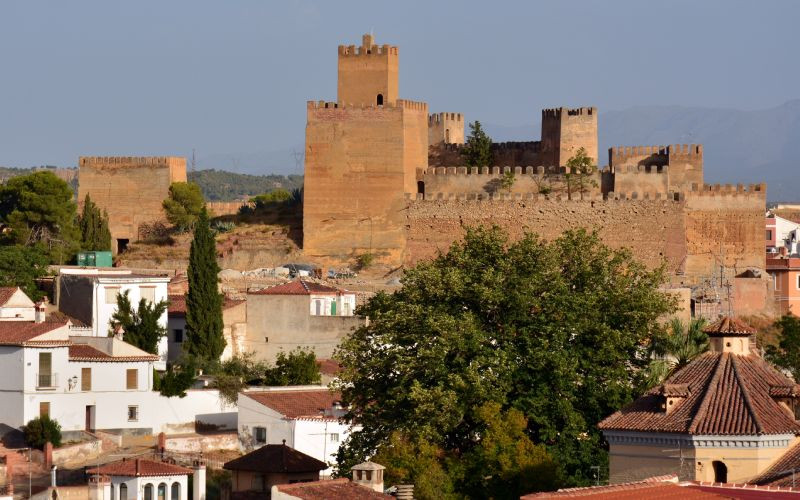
380 99
122 244
720 471
90 409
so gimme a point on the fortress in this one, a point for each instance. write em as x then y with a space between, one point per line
384 176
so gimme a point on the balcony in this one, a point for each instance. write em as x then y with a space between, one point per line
46 381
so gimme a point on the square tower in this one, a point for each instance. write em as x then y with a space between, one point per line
368 75
565 130
446 128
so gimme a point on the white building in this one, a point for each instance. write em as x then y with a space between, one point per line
15 305
142 479
90 295
306 417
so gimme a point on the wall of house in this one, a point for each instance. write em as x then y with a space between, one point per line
136 485
635 463
345 304
175 349
320 439
283 322
18 307
253 414
12 361
130 189
75 297
234 320
786 291
252 481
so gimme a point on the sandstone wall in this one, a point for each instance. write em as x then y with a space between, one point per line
415 142
566 130
366 71
446 128
503 153
130 189
641 179
682 162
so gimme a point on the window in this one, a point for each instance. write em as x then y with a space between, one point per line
44 409
345 308
123 491
86 379
132 379
113 493
162 491
317 307
111 295
148 492
334 437
258 482
176 491
798 281
380 99
45 370
260 434
333 307
133 414
447 135
149 294
769 235
177 335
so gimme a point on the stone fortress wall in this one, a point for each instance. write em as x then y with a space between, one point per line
130 189
446 128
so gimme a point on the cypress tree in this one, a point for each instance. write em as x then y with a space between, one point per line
93 224
204 339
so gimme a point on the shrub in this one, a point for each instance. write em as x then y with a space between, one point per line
184 205
363 261
41 430
221 226
273 198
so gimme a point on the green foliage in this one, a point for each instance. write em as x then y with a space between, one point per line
557 330
175 381
279 195
786 354
219 185
217 482
507 181
93 225
39 210
417 462
141 326
204 340
221 226
299 367
184 205
676 349
477 151
364 260
21 266
235 374
42 430
581 179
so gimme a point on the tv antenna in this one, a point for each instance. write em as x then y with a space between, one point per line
193 163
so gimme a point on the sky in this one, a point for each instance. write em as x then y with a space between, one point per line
231 78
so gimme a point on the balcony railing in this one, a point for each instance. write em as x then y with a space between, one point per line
46 380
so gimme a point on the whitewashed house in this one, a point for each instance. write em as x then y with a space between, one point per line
141 479
15 305
306 417
90 295
234 326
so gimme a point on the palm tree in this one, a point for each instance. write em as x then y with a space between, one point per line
675 350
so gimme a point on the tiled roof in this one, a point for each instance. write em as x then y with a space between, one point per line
729 326
22 332
335 489
177 304
83 352
662 487
299 287
329 366
5 293
276 458
296 404
60 317
780 473
728 394
140 467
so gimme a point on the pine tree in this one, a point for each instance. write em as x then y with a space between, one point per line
204 339
93 224
477 151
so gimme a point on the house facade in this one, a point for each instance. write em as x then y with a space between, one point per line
785 273
15 305
256 473
90 295
307 418
234 326
299 313
140 479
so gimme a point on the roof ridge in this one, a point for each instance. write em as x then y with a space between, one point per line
746 396
707 396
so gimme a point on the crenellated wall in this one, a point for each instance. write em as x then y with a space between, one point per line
367 71
565 130
447 128
684 162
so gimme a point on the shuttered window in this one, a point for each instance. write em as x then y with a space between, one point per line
86 379
44 409
132 381
111 295
148 294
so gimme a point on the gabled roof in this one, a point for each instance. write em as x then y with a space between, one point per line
297 404
300 287
6 292
140 467
728 395
276 458
83 352
25 332
335 489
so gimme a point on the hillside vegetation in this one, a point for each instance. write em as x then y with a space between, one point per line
219 185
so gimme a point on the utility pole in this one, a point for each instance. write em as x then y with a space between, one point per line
193 164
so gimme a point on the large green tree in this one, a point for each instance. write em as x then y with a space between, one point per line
141 325
477 151
557 330
298 367
38 209
204 339
184 205
786 354
93 224
579 178
21 266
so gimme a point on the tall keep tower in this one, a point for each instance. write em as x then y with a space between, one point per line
565 130
367 74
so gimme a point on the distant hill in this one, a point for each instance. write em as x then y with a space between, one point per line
219 185
738 146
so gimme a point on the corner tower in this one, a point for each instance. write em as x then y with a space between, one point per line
565 130
368 74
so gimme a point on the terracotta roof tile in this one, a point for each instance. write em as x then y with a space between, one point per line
140 467
336 489
329 366
728 394
659 487
729 326
22 332
5 293
300 287
84 352
297 404
177 304
276 458
60 317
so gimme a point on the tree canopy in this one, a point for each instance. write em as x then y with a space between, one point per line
93 225
21 266
580 180
141 326
556 330
184 205
477 151
298 367
786 354
219 185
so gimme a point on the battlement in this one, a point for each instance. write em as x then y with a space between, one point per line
372 51
437 118
728 189
497 171
130 160
641 169
567 112
621 153
416 105
330 105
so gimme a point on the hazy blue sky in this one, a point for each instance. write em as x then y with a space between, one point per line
232 77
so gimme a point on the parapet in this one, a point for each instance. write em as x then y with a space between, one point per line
436 118
568 112
728 189
621 154
311 105
130 160
416 105
368 48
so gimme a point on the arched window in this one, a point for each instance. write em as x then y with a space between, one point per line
720 471
148 492
113 492
380 99
123 491
176 491
162 491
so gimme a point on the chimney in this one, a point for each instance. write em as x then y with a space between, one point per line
199 479
53 474
39 313
404 492
369 475
99 487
